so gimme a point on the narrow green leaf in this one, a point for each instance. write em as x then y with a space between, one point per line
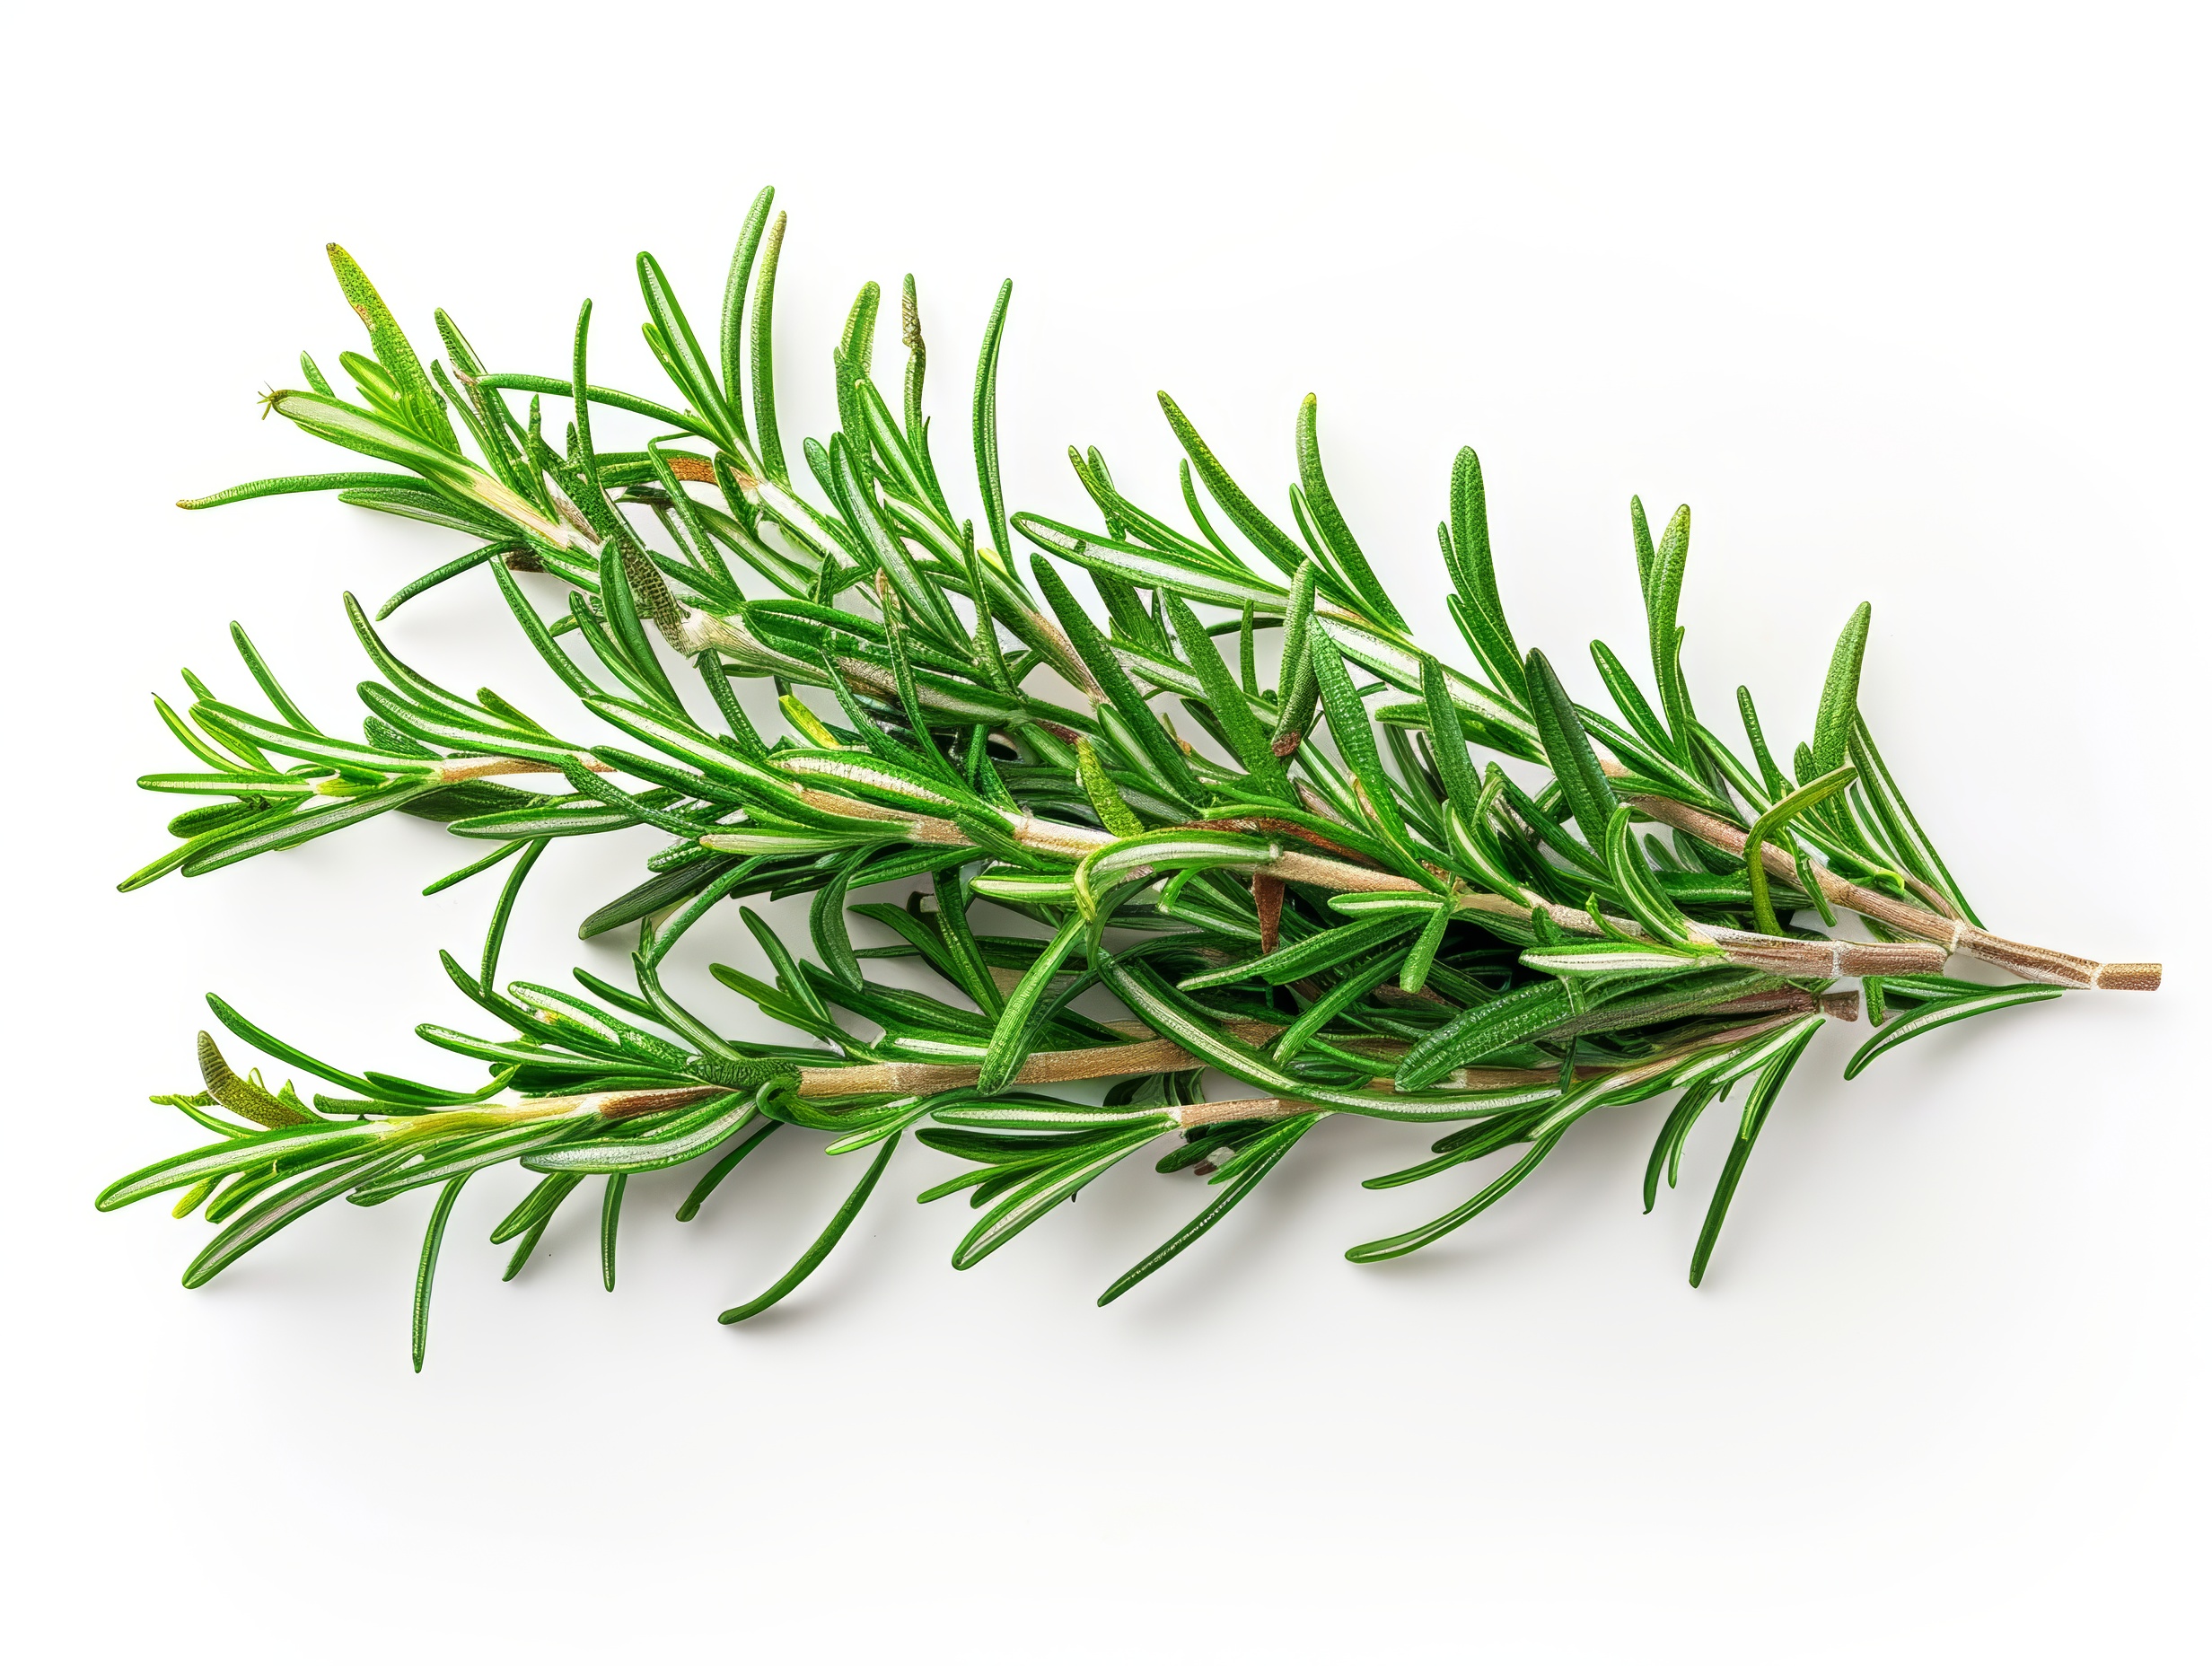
763 358
610 1224
471 488
1414 976
496 933
818 1251
224 848
536 1208
1666 1151
720 1172
1114 813
1157 744
1329 520
857 498
1295 687
826 920
1014 1037
424 410
1777 816
972 974
692 1135
1354 983
1839 710
1474 574
1757 1105
1936 1014
984 423
279 486
678 349
1311 956
749 236
1910 843
1271 1149
1483 1030
1406 1243
1247 740
1648 902
1629 700
1030 1202
1230 587
1662 597
272 1214
1245 515
426 1266
789 976
1567 747
1448 743
1585 959
1355 737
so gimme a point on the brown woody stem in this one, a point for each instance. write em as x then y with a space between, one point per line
475 768
2043 966
1144 1055
1785 957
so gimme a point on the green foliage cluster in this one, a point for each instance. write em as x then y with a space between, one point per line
1374 925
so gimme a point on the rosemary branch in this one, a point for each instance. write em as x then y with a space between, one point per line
1299 879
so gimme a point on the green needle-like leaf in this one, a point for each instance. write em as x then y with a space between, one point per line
1012 1037
1482 1031
434 1235
984 423
1277 544
1779 816
1662 597
1567 747
1476 607
1355 737
425 412
1252 743
1275 1146
818 1251
1839 713
1757 1105
1342 546
1936 1014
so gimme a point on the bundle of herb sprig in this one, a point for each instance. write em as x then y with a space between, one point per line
1300 869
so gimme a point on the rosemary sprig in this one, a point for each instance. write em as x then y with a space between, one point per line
1371 926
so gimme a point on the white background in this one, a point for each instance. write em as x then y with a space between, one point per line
1908 302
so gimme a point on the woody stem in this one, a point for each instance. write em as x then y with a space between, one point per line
2043 966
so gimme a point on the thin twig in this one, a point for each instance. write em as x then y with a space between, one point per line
2043 966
